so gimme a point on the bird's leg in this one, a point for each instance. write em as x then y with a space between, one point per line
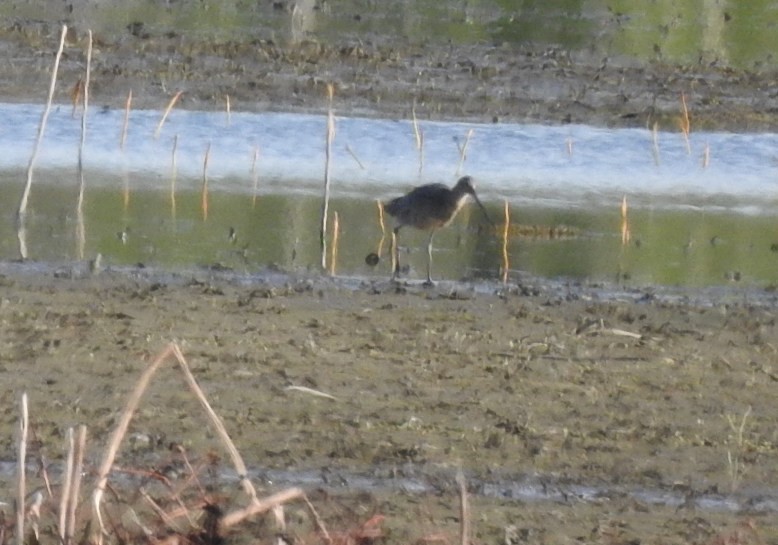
395 255
429 281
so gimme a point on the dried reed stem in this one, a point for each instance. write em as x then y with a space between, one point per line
685 124
173 176
334 249
67 482
261 506
505 262
22 211
464 509
75 95
75 490
463 150
204 192
394 252
127 106
254 175
167 111
569 146
380 206
21 483
80 227
221 431
625 234
229 110
116 438
418 134
326 199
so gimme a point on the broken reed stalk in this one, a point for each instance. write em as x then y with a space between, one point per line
464 509
326 198
75 489
81 228
22 210
463 150
125 124
75 95
167 111
505 262
173 175
334 250
21 482
204 192
261 506
229 110
418 134
67 483
381 224
685 124
101 482
254 175
625 234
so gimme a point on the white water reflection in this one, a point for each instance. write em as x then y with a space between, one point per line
556 166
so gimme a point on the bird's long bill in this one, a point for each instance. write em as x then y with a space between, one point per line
483 209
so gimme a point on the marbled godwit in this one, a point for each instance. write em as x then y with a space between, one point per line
429 207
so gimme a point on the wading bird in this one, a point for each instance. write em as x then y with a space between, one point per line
429 207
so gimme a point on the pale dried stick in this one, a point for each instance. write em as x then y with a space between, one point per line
655 140
325 204
381 224
229 110
167 112
66 484
21 482
221 431
116 438
127 105
80 226
75 490
625 234
505 262
204 195
464 509
261 506
159 511
173 175
319 522
334 250
22 211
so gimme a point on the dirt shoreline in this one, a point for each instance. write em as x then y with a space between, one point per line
669 394
476 83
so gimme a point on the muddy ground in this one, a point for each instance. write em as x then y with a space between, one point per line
647 400
640 420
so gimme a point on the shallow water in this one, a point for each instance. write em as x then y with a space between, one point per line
692 221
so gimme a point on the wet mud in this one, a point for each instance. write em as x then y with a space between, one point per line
643 417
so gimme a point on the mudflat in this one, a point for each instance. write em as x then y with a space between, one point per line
632 418
576 415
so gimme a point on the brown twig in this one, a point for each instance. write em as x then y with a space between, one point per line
127 105
167 112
